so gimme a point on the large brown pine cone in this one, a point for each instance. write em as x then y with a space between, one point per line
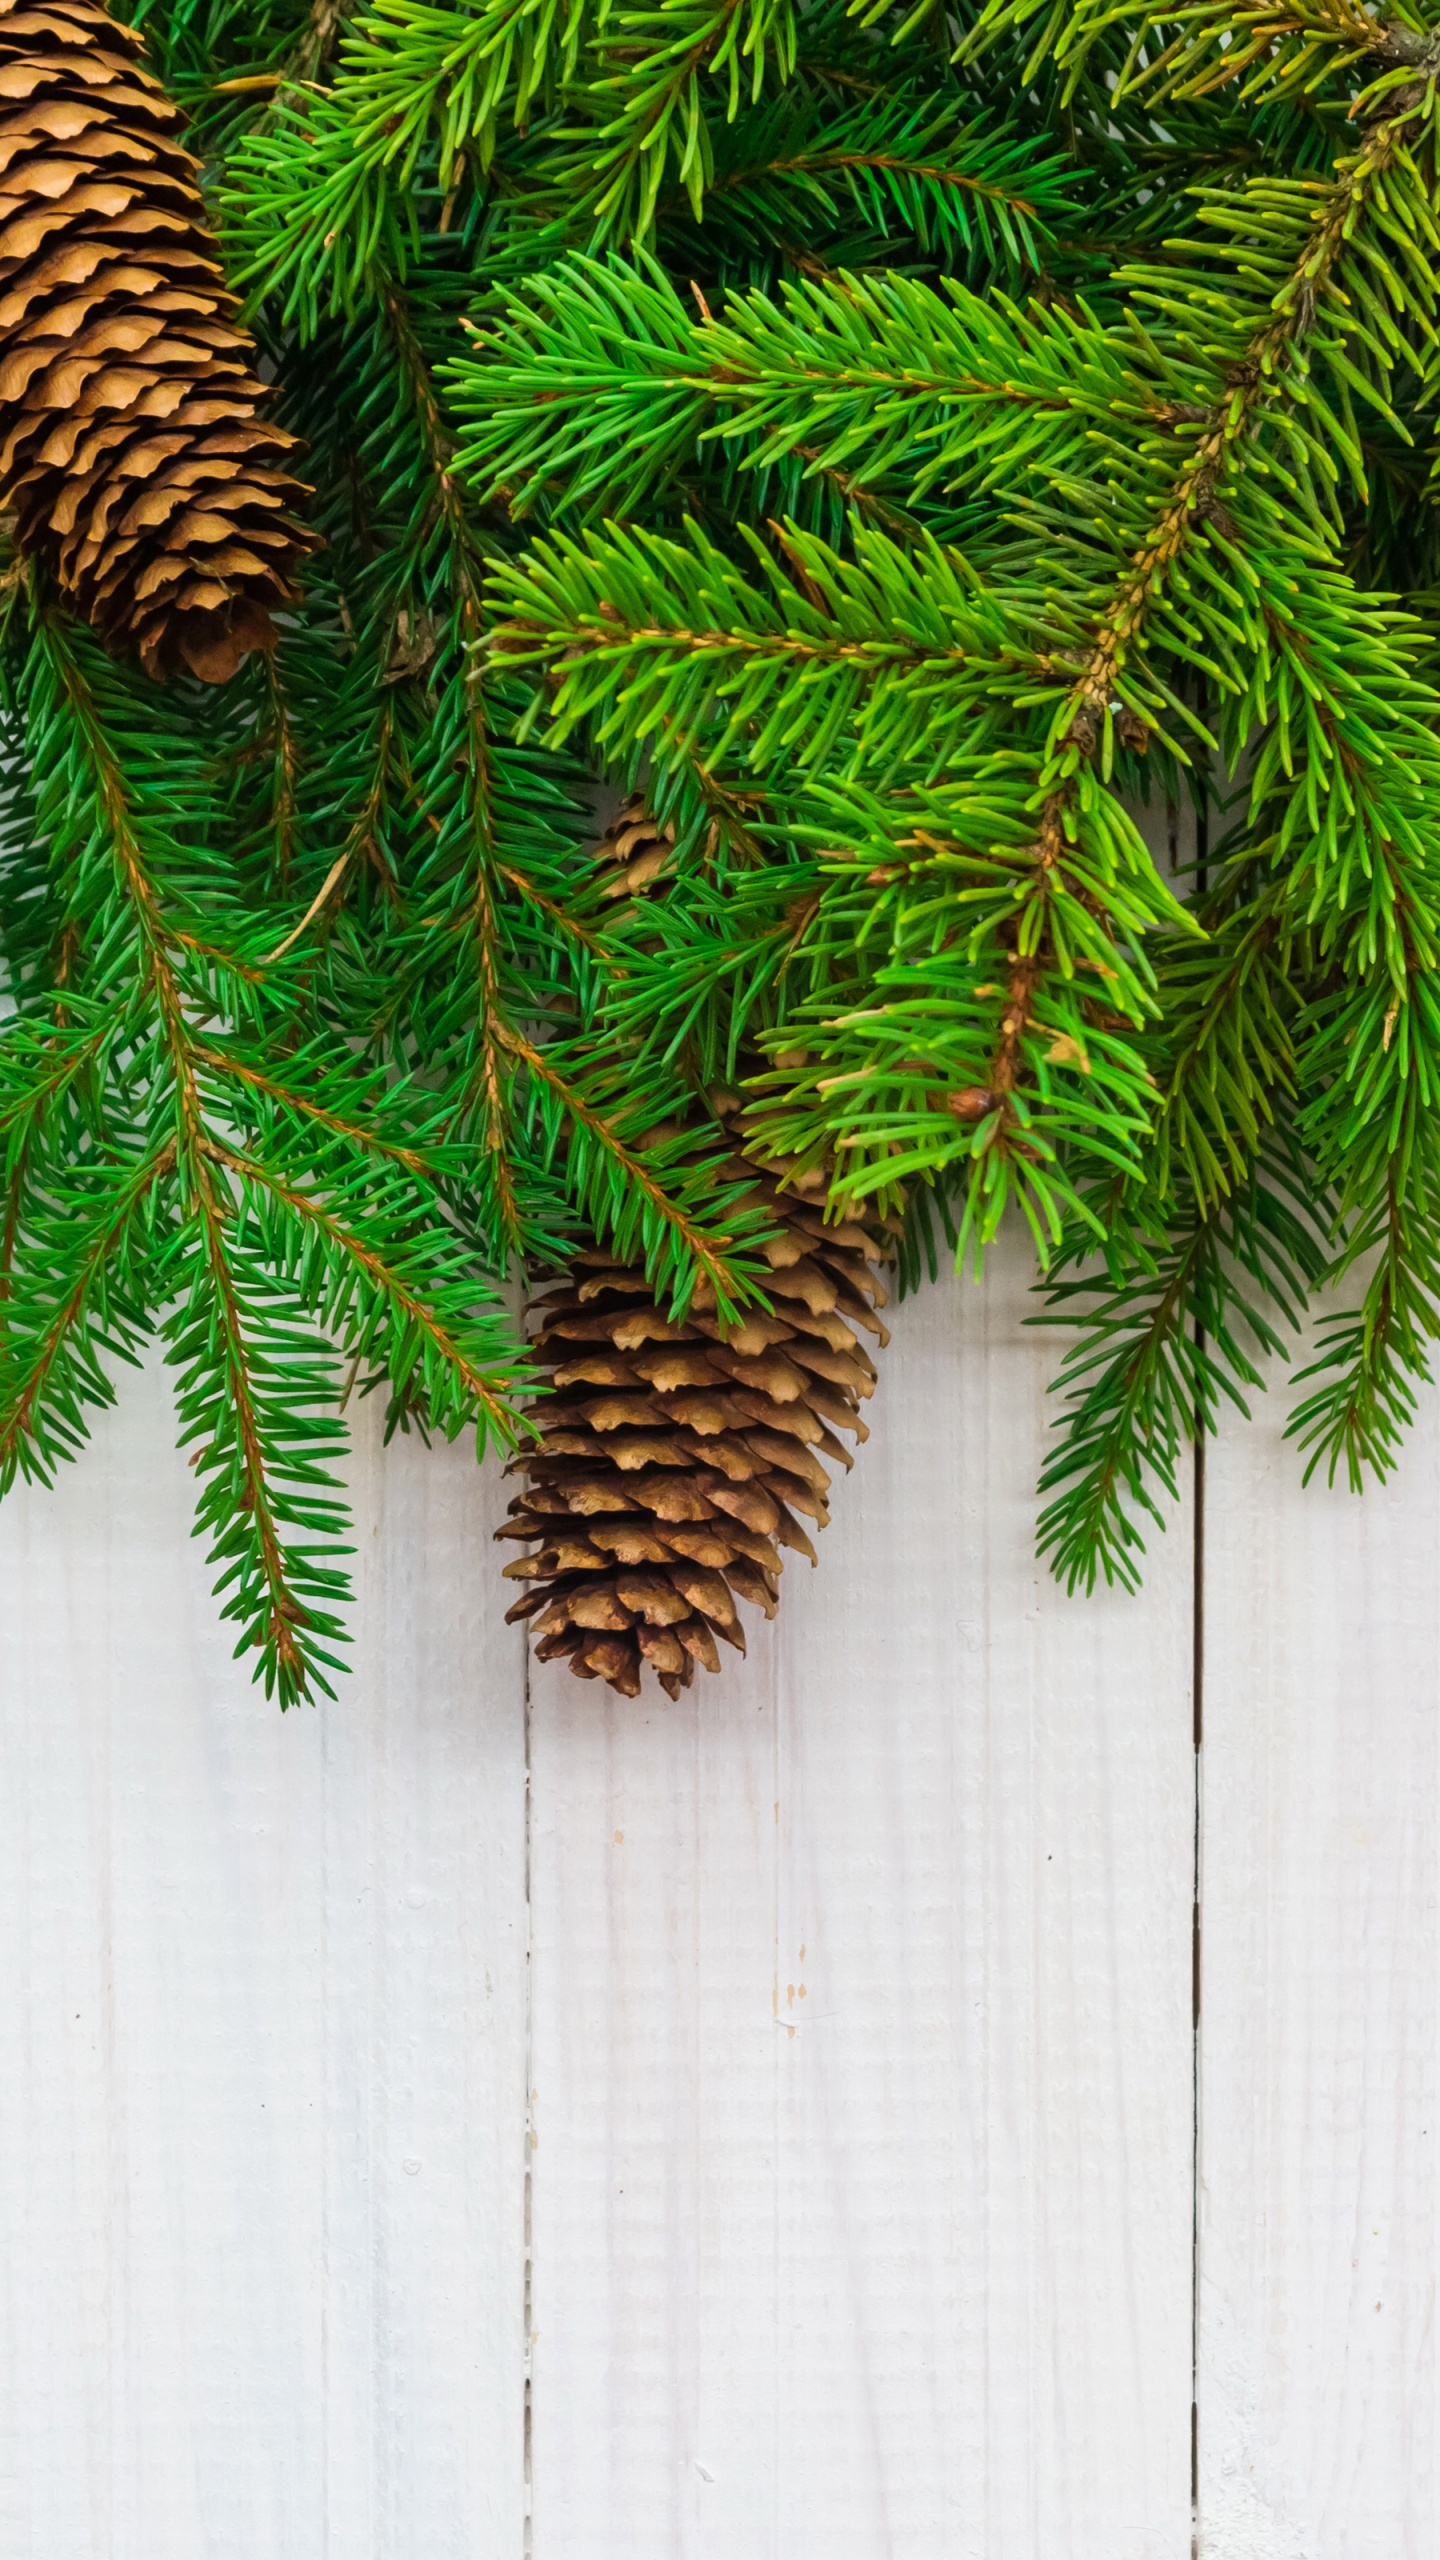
674 1457
132 449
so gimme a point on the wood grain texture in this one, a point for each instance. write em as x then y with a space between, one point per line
862 2055
261 2151
1319 2416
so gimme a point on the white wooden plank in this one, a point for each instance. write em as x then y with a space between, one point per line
862 2053
261 2146
1319 2416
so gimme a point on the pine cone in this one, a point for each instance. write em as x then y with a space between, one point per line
634 853
674 1457
131 446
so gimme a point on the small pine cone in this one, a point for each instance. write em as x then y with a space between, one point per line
132 451
674 1457
634 852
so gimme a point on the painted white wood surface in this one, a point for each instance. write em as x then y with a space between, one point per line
262 1990
860 2060
1318 2404
862 2065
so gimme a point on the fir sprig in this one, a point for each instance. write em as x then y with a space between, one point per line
180 1160
901 452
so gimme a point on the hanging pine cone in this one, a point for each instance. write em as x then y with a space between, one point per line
132 449
674 1457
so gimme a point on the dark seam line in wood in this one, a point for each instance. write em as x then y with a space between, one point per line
1197 1696
527 2415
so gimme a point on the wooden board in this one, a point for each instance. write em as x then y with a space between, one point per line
860 2062
862 2039
262 1987
1319 2414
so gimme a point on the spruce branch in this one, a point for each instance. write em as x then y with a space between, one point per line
89 1230
1188 1304
894 467
1371 1361
1287 46
483 1016
133 1201
596 385
897 162
650 101
644 1188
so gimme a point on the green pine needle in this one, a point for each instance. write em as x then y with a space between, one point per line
908 462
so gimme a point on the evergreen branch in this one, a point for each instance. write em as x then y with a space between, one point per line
597 383
1371 1361
885 587
1289 47
285 751
362 847
945 909
1104 697
1191 1300
41 1064
1229 1051
288 1094
652 644
650 110
310 221
556 915
1262 370
485 1084
904 161
646 1190
49 1371
250 1498
257 1395
368 1291
415 76
1135 1383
